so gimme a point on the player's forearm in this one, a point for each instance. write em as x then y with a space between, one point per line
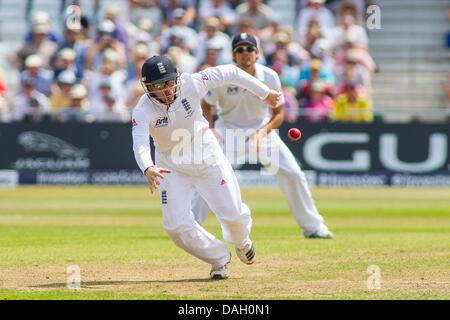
141 141
142 153
206 109
236 76
276 120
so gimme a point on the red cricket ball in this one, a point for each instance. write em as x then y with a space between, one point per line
294 134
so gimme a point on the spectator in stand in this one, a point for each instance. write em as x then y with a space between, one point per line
65 60
180 31
133 11
133 86
313 34
363 56
169 8
111 72
267 35
308 76
142 32
139 53
220 9
4 109
111 14
60 97
352 107
347 24
141 37
355 73
258 13
182 59
105 41
322 50
334 6
43 77
212 56
77 37
316 68
320 105
112 112
3 86
38 45
72 40
291 111
30 104
281 41
212 34
289 75
134 93
357 8
76 112
314 10
42 18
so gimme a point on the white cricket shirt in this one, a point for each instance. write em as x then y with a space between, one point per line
241 108
160 121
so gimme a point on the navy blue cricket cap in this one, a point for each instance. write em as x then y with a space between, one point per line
158 69
243 38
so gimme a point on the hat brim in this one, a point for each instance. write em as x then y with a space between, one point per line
169 76
244 42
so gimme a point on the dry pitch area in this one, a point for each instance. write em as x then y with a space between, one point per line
115 236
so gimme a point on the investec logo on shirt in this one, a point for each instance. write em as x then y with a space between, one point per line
232 91
161 122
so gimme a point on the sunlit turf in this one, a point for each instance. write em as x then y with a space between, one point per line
396 229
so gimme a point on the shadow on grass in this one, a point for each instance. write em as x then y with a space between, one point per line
93 284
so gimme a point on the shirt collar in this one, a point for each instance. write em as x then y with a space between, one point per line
259 72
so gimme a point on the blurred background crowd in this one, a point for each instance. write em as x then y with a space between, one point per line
89 69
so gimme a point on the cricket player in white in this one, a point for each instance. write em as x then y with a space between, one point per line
171 113
240 110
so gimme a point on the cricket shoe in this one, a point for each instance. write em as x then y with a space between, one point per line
321 233
220 272
247 253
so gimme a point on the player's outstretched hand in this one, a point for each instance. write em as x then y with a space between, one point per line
273 98
152 174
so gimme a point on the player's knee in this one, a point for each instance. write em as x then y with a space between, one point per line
176 232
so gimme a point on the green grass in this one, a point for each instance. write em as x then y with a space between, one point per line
115 235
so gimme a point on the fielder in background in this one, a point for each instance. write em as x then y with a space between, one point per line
240 110
171 113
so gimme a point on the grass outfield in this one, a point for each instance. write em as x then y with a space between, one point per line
115 236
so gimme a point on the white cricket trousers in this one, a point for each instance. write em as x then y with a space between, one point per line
217 184
288 174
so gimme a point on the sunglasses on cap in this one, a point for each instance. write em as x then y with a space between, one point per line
161 85
241 49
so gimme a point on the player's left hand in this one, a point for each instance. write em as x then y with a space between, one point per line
273 98
153 173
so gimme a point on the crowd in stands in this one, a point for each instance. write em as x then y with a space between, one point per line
90 70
